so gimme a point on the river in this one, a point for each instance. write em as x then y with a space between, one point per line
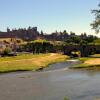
53 83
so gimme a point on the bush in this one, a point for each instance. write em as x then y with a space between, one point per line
7 51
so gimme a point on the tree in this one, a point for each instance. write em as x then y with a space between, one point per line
39 46
8 30
83 42
96 23
76 39
42 33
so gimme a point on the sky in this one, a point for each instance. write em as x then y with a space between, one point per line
48 15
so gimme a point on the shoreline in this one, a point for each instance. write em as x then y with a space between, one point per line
35 63
88 63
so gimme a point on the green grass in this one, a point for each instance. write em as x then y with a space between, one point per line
88 67
82 65
83 59
29 62
22 56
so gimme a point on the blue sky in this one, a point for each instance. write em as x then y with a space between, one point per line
48 15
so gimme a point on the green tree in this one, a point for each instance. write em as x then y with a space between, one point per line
83 42
96 23
39 46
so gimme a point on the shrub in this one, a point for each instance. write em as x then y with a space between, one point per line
7 51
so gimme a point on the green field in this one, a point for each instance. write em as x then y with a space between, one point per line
29 62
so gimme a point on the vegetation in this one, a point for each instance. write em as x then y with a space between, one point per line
92 62
38 43
33 34
66 98
96 24
7 51
88 67
39 46
29 62
80 40
96 42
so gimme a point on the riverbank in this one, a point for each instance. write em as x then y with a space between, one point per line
50 85
29 62
89 63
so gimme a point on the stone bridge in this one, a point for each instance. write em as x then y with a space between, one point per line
85 50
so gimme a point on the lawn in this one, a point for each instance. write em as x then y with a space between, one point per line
29 62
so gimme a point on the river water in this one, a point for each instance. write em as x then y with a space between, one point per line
53 83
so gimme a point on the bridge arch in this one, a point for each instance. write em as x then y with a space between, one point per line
85 50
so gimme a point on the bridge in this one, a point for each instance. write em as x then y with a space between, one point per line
85 50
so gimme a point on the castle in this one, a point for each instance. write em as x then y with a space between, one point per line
24 34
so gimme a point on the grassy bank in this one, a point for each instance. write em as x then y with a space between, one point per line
92 62
29 62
